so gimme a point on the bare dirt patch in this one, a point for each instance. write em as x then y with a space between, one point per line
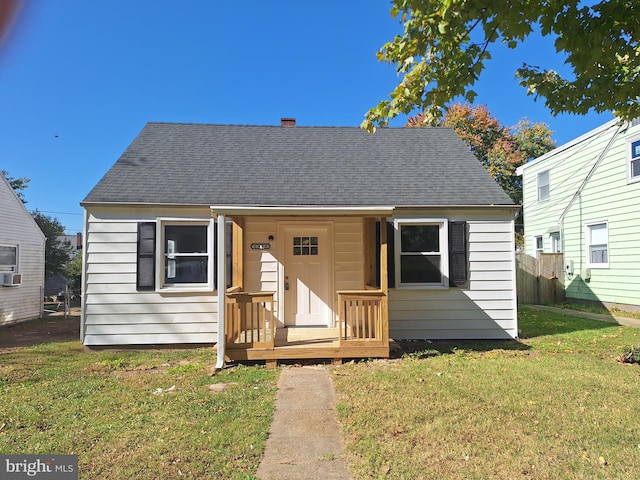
53 328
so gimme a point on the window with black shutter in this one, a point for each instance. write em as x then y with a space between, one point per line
421 253
427 253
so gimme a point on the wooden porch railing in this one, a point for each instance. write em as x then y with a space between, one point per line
362 319
249 320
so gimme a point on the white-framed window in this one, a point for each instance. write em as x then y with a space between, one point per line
633 155
538 243
8 258
543 185
185 254
597 237
421 253
556 247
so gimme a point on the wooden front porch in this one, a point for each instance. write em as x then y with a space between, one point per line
361 327
251 334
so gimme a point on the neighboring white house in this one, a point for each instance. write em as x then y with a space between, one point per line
297 210
582 199
21 259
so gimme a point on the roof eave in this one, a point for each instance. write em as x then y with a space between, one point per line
592 133
367 210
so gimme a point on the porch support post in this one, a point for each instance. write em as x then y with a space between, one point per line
384 280
238 252
221 280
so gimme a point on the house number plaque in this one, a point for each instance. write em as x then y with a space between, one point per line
260 246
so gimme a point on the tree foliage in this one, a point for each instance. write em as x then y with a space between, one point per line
18 184
57 253
73 272
500 149
445 45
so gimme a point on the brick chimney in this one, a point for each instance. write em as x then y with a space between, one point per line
287 122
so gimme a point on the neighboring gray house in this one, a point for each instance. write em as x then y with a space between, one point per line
297 211
21 260
581 199
74 240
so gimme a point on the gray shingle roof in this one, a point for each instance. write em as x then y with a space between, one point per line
246 165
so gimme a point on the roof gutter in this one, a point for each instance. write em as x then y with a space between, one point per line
373 210
380 211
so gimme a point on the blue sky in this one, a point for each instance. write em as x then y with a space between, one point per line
79 79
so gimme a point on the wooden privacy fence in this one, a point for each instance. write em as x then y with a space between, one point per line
540 280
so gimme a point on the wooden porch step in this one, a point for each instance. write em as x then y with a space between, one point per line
308 335
293 352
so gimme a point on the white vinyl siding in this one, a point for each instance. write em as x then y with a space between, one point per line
25 246
114 312
486 308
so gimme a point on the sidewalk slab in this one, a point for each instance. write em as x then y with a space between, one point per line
304 439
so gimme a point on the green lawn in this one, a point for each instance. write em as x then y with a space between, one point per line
555 405
107 408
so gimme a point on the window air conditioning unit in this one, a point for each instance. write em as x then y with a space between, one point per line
10 279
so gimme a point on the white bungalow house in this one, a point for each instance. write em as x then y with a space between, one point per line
581 199
21 260
307 270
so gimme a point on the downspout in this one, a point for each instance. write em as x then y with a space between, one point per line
584 184
221 277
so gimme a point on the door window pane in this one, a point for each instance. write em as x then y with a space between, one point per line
305 245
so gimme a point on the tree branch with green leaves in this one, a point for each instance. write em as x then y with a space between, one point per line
446 44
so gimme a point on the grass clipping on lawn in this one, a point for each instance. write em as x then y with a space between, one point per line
556 404
142 415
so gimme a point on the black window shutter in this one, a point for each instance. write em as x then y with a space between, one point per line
457 253
391 258
146 270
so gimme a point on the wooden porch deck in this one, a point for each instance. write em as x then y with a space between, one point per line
251 333
295 343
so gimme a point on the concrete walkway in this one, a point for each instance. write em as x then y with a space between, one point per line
627 321
304 439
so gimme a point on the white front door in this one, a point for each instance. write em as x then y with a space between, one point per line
306 279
